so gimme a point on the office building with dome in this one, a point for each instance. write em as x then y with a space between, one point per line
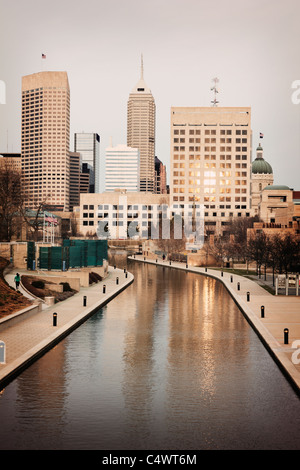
261 176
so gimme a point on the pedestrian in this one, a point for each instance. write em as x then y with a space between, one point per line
17 280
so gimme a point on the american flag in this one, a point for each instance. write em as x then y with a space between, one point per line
51 220
43 56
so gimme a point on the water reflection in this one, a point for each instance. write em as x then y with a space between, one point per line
170 363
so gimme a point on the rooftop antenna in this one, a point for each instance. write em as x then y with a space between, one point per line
215 90
142 67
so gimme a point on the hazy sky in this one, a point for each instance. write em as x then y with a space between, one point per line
253 47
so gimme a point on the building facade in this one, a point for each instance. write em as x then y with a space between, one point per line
122 168
46 140
277 205
121 214
160 177
141 131
75 170
88 145
261 177
211 162
11 160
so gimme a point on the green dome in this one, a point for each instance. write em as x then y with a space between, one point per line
278 187
260 166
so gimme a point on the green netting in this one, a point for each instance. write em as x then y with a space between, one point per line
75 258
74 254
102 251
92 252
56 257
30 255
44 257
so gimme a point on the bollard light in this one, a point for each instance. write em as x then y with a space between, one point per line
84 300
286 335
126 275
104 288
238 286
54 319
117 280
222 273
262 311
248 296
186 266
231 278
206 270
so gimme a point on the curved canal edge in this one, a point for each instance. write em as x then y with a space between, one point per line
43 332
280 313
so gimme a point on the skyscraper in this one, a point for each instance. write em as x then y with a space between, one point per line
211 161
75 164
160 177
122 168
141 130
88 144
46 139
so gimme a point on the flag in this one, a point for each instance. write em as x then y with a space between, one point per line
43 56
261 135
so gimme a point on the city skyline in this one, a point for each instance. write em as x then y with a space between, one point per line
184 47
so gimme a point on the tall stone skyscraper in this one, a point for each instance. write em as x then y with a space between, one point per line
45 146
141 130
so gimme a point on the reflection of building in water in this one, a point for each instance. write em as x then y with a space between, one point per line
200 315
142 347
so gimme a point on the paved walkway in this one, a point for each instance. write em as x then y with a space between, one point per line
29 338
280 312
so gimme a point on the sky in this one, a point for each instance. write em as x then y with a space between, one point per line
251 46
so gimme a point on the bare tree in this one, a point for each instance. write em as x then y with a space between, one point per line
171 244
257 249
34 218
238 228
10 201
287 249
219 249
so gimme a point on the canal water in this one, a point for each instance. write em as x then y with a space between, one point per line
170 364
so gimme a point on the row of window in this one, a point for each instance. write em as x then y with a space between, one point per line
181 140
210 132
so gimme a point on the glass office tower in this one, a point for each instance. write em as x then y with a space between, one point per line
88 145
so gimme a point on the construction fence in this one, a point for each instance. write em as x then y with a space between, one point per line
73 254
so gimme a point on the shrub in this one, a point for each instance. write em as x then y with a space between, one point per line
38 284
66 287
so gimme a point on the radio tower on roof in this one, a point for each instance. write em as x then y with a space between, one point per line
215 90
